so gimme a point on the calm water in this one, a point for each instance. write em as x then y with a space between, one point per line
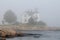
47 35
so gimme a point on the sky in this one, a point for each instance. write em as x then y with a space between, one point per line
49 10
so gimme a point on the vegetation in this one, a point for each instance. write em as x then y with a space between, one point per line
10 17
33 20
41 23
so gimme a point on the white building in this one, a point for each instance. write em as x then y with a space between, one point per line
26 17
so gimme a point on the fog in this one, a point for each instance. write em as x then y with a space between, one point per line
49 10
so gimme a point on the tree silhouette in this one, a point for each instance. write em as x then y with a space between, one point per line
32 21
41 23
10 17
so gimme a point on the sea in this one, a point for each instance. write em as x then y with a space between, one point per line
46 35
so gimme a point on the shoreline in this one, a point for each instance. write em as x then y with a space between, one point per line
29 27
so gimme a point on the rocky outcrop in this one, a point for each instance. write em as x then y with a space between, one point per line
7 33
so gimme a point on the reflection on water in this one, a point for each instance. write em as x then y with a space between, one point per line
47 35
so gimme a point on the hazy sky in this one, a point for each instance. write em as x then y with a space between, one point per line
49 9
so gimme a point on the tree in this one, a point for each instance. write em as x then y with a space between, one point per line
30 13
33 16
32 21
10 17
41 23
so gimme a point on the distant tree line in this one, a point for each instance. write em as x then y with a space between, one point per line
11 18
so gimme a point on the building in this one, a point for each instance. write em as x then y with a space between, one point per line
30 13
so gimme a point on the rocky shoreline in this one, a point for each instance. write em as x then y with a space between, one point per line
27 27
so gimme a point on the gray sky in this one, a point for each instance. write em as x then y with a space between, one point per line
49 9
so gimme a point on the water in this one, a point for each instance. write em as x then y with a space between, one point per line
47 35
